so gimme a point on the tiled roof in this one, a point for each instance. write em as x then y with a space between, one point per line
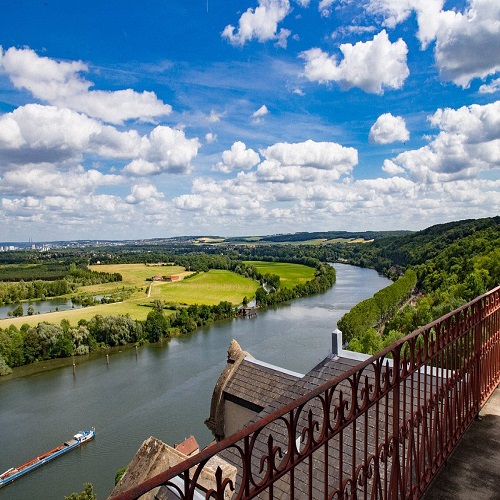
330 368
257 384
188 446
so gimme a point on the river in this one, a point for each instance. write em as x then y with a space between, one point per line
162 391
39 306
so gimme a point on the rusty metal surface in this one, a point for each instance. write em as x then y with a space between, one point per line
381 430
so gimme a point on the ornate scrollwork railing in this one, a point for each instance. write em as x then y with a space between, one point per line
381 430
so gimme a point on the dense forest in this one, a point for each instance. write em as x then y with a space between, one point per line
453 263
434 271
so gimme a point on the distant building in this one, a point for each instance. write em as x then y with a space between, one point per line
161 277
188 447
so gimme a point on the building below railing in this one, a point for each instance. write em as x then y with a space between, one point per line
382 429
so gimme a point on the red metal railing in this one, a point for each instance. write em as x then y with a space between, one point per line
381 430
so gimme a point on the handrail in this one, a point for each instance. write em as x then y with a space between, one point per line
380 430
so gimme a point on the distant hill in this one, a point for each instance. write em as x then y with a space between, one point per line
451 264
444 253
320 235
417 248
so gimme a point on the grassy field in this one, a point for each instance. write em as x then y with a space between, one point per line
136 308
205 288
290 274
134 275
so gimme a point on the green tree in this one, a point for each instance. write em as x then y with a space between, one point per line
119 474
156 326
158 305
369 342
81 340
5 369
32 347
18 311
86 494
261 296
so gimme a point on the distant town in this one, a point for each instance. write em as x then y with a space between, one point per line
46 246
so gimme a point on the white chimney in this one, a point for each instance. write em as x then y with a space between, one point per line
336 342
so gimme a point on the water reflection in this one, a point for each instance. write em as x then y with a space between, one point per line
40 307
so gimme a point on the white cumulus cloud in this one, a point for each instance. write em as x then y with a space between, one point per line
468 143
164 150
237 158
389 128
44 180
61 84
46 134
143 193
467 42
373 66
490 88
317 155
260 23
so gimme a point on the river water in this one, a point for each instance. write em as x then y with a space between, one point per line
39 306
162 391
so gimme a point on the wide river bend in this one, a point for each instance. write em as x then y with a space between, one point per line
162 391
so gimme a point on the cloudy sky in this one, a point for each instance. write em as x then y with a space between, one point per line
126 119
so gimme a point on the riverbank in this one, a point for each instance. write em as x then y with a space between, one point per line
39 367
49 340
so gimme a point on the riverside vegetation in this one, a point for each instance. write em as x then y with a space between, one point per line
435 271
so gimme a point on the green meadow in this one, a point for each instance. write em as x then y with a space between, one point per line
290 274
205 288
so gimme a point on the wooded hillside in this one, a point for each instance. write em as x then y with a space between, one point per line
454 263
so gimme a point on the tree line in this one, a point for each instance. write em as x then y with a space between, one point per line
273 294
75 276
25 345
373 311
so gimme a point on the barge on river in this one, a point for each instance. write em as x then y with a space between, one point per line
77 440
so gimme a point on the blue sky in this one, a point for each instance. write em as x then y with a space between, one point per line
124 119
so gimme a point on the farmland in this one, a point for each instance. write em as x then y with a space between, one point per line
208 288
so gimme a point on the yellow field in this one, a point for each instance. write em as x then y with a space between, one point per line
134 274
206 288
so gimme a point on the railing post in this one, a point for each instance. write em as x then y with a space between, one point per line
395 469
478 328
